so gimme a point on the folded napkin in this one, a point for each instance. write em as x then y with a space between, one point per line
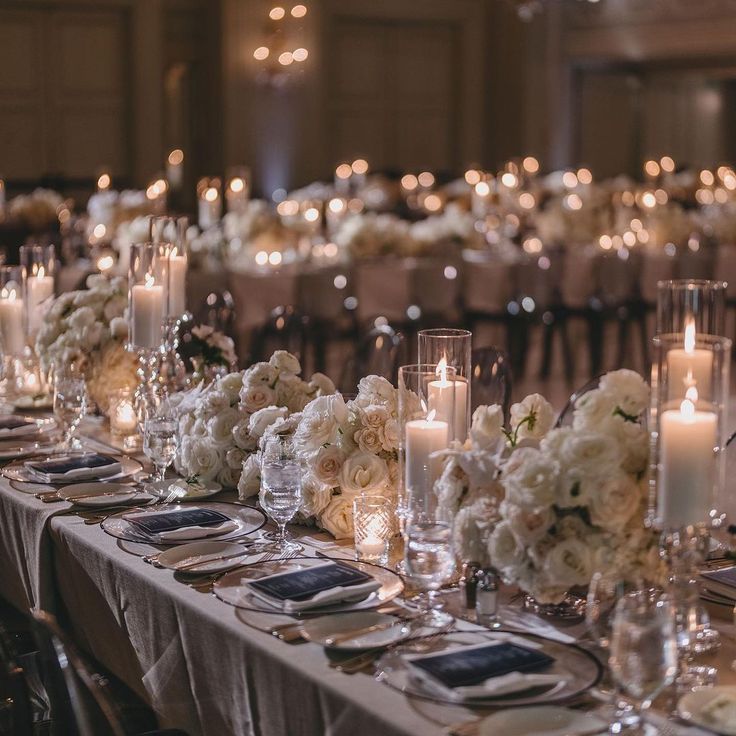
313 587
74 467
16 427
198 532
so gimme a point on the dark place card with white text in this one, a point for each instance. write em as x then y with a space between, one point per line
14 423
67 464
171 520
473 665
302 584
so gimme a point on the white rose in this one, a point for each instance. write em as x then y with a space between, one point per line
315 496
186 422
199 428
229 477
593 408
363 473
633 442
589 454
391 435
221 427
530 478
321 385
374 416
259 373
231 384
369 440
115 307
292 393
337 517
242 436
81 318
205 459
505 553
528 525
213 402
326 464
334 404
250 478
569 563
263 418
285 362
628 389
372 387
471 530
533 417
487 423
316 428
614 502
257 396
450 487
234 458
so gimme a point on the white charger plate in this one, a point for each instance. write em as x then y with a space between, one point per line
105 494
543 720
320 630
690 707
233 587
184 491
185 554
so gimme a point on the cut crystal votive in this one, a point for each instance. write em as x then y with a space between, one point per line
373 523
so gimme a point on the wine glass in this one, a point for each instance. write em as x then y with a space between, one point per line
281 488
160 443
643 650
430 561
70 405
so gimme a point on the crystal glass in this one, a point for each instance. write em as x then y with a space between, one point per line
39 262
697 301
281 488
643 651
426 411
160 443
123 417
451 347
429 561
373 522
70 405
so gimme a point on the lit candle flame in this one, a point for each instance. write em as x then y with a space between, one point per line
690 336
150 281
692 394
441 370
41 272
687 408
8 294
431 415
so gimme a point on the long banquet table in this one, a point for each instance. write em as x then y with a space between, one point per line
188 653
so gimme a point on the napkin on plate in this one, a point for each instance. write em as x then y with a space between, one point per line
313 587
16 427
198 532
462 673
74 467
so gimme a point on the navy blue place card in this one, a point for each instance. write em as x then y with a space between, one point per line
168 521
9 423
473 665
303 584
70 463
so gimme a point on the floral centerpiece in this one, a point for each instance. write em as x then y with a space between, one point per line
206 350
37 210
548 507
371 235
220 424
88 328
348 448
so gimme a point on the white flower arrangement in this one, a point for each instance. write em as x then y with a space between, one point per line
348 449
220 424
454 226
88 328
371 235
547 507
36 210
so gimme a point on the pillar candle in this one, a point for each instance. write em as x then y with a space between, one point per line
210 208
11 322
177 284
423 437
689 366
147 314
39 288
450 400
687 459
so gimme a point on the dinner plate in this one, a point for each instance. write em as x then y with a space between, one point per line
320 630
233 587
185 555
15 449
18 471
692 707
578 670
184 491
247 518
99 493
541 720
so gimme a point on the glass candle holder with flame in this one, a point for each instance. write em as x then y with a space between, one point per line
40 268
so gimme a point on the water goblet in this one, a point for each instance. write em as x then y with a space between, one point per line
70 405
160 443
281 489
643 651
430 562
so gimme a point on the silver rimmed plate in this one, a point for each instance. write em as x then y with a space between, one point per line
37 429
246 518
184 491
197 558
100 493
711 708
576 669
18 471
233 587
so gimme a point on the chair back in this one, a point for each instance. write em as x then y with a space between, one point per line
488 284
218 311
696 264
286 329
435 286
615 279
491 381
322 293
577 285
383 288
79 703
378 353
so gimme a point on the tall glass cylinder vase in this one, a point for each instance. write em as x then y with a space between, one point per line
451 347
697 302
40 269
12 324
147 304
173 368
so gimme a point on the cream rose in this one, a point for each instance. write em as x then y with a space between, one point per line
530 478
568 563
285 362
614 502
589 454
257 396
321 385
528 525
629 390
326 464
363 473
242 436
487 423
221 427
231 385
315 496
263 418
505 553
337 517
234 458
250 479
205 459
592 409
374 416
369 440
259 374
391 435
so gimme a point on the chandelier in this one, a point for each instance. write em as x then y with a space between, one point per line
282 54
528 9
